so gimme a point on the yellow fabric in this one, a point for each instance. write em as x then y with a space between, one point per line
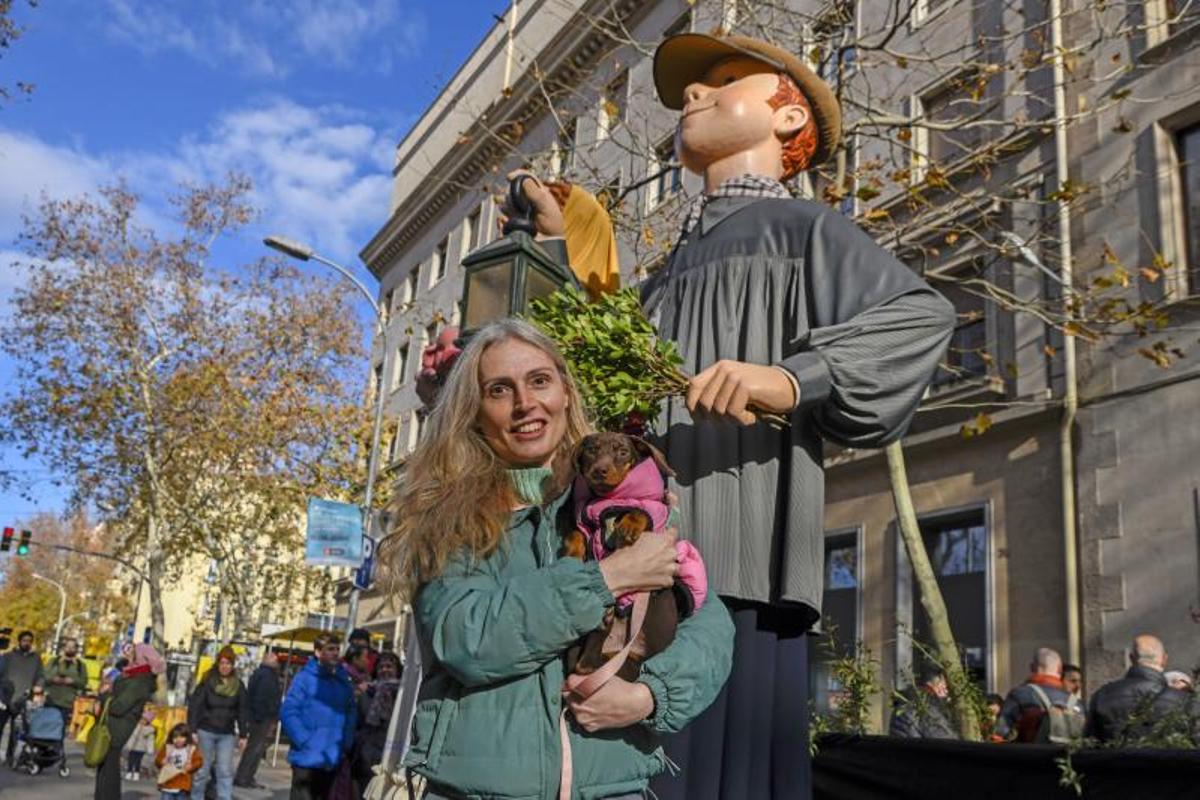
88 722
591 245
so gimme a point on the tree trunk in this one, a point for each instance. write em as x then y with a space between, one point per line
931 596
158 618
154 582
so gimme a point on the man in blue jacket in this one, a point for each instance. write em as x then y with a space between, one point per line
319 718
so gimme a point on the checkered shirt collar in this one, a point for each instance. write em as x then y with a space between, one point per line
740 186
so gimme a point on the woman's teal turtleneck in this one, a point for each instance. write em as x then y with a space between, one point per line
528 483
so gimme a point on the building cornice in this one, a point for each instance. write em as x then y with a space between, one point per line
497 129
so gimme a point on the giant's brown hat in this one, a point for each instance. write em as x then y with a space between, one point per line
684 59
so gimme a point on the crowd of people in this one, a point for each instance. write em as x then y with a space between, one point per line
1148 705
335 716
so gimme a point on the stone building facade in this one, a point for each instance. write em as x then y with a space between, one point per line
566 87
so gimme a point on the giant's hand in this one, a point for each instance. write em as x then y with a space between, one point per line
728 390
547 215
616 704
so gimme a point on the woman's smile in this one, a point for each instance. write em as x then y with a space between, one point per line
529 431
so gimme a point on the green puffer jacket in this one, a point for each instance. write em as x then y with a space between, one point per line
493 634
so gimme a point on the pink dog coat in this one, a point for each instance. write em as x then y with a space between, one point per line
644 489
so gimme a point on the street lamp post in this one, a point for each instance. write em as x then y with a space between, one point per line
302 252
62 608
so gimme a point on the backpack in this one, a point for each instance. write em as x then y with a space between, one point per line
80 669
1059 724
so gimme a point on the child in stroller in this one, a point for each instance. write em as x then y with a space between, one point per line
41 736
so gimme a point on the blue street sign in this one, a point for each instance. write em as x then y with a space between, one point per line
334 534
366 573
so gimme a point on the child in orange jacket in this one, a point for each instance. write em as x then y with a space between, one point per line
178 760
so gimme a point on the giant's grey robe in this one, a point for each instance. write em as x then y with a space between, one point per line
796 284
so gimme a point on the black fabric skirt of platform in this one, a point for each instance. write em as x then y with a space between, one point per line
752 742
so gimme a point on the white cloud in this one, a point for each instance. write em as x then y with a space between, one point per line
156 27
320 173
31 168
270 38
315 170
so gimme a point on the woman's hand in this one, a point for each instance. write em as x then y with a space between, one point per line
616 704
649 563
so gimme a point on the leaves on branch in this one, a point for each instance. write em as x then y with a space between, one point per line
622 367
200 405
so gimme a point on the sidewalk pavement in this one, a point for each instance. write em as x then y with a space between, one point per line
81 783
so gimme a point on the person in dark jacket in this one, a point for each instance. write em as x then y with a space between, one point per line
219 713
1141 703
362 638
21 669
66 677
374 713
1026 705
130 691
264 695
319 718
924 712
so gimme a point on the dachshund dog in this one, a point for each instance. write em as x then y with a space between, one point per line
620 492
603 461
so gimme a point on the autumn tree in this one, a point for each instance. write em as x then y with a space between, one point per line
97 603
195 406
10 32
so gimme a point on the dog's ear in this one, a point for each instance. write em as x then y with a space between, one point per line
646 450
577 459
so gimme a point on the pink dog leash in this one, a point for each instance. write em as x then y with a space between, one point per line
584 686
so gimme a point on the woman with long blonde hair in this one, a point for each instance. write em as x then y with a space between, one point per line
481 511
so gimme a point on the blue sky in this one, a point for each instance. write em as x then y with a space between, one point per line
308 97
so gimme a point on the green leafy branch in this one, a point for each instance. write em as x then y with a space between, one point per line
623 369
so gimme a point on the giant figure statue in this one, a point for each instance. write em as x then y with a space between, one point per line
777 305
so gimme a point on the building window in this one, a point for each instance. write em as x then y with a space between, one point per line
924 9
437 269
1166 18
729 14
398 449
562 159
388 299
413 431
610 194
967 356
839 609
958 550
378 377
408 293
682 24
1187 143
668 181
957 107
400 372
466 242
828 189
613 102
832 35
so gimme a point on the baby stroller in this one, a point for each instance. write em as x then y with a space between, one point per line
41 733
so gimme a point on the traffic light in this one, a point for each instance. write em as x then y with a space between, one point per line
6 542
23 545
